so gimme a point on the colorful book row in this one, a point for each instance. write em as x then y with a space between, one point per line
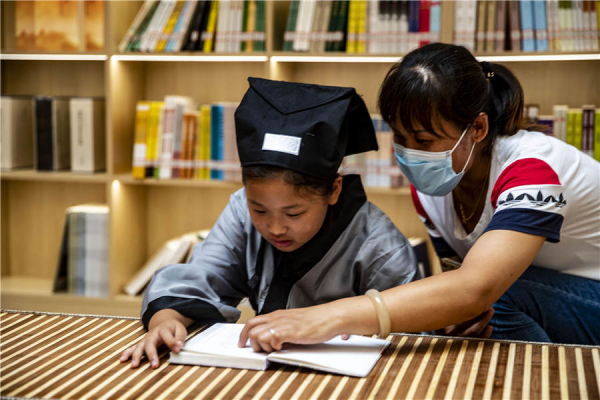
218 26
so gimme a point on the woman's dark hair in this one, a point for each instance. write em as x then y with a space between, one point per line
303 184
445 80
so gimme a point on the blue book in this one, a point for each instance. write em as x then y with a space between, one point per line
527 25
540 25
169 48
435 20
217 138
413 15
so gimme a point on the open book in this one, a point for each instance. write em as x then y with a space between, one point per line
217 347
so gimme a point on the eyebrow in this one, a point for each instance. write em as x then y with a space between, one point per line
256 203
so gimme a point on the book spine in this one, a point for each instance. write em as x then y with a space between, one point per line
500 26
209 34
526 8
424 22
514 25
6 133
168 138
540 25
183 26
142 112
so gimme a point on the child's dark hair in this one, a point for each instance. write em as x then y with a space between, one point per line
302 183
445 80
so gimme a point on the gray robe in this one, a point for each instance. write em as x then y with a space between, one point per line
370 253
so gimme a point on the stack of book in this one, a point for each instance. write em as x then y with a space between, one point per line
47 25
53 133
174 139
166 26
377 168
83 258
361 26
491 26
579 127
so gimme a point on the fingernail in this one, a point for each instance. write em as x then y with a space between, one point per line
179 343
154 363
176 349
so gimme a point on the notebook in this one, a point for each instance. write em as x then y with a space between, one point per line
217 347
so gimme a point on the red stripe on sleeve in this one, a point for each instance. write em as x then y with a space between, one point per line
417 203
527 171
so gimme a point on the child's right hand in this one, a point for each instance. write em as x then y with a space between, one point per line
164 328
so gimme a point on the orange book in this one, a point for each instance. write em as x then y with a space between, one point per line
56 25
24 25
93 25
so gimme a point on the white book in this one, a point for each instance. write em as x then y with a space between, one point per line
173 251
594 26
217 346
135 24
16 132
88 144
560 121
148 35
160 26
222 27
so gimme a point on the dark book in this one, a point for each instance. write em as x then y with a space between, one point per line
194 34
43 134
335 14
342 27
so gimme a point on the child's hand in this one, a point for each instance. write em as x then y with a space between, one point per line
165 328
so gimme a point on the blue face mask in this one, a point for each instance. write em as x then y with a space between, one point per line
430 172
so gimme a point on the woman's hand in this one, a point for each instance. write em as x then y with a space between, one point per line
310 325
477 327
165 328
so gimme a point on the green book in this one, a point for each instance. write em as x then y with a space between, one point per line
136 41
244 25
333 20
288 45
259 45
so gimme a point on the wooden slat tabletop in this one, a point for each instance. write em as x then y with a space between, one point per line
60 356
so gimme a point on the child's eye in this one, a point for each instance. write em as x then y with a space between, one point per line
294 215
259 211
423 142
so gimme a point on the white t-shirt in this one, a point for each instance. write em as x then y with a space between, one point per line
538 185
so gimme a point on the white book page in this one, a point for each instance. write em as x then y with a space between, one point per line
355 356
222 340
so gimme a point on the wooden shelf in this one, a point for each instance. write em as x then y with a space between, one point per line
53 176
33 56
34 294
193 57
129 180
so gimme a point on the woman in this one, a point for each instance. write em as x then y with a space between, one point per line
521 209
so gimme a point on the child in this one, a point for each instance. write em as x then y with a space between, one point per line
298 234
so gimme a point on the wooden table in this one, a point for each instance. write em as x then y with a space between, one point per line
64 356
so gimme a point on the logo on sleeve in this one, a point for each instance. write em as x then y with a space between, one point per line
539 200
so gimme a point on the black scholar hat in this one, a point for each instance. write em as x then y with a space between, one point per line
303 127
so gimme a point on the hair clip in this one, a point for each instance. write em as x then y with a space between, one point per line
487 69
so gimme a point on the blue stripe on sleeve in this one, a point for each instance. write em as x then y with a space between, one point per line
534 222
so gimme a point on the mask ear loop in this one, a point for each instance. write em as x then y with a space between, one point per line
472 148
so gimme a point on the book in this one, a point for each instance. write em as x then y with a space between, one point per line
142 113
152 136
93 25
169 27
560 121
16 132
217 137
540 25
180 31
217 346
24 25
527 28
514 25
208 36
82 266
597 134
194 35
141 17
52 141
88 143
173 251
500 34
57 25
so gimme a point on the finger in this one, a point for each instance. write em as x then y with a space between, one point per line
137 354
276 340
180 334
151 353
126 354
264 341
345 336
251 324
487 332
167 337
254 335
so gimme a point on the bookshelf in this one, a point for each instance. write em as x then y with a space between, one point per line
146 213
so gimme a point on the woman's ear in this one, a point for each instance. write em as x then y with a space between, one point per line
480 127
335 192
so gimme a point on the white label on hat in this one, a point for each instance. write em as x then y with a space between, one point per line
282 143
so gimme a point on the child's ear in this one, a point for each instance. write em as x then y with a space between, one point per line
481 127
335 193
